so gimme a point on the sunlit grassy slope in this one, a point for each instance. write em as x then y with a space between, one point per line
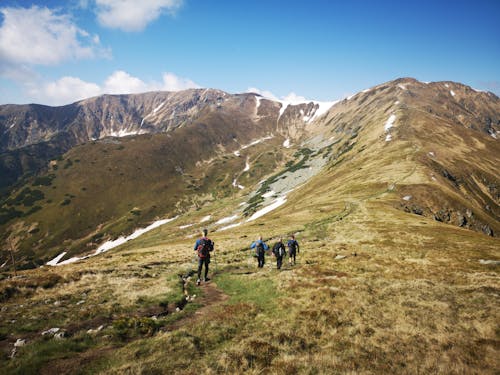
375 290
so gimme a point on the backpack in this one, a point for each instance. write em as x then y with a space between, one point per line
292 244
259 249
279 249
204 248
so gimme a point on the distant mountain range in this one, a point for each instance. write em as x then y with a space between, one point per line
76 175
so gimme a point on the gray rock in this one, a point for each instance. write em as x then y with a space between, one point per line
51 331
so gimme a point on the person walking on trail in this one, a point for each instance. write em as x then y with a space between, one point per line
203 247
293 249
279 252
260 247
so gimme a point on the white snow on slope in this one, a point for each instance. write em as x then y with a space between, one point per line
388 138
235 184
123 133
256 142
402 87
206 218
229 226
185 226
452 93
237 153
268 194
108 245
54 261
286 144
227 219
247 166
446 85
278 202
390 122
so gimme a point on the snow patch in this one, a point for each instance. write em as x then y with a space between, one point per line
247 166
227 219
493 134
286 144
54 261
123 133
452 93
277 203
229 226
407 198
390 122
235 184
446 85
388 138
268 194
108 245
402 87
396 102
256 142
185 226
237 153
205 219
489 261
432 154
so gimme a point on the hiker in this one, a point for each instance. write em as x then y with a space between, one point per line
260 247
279 252
293 249
203 247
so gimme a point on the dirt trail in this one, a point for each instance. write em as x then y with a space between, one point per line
211 299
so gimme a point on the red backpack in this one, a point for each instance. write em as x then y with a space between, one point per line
204 247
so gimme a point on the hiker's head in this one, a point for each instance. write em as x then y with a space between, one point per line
260 238
280 239
292 236
205 232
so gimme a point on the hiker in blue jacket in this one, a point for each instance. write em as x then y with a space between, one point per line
203 247
260 247
293 249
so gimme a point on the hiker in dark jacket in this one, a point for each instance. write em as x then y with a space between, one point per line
203 247
293 249
260 248
279 252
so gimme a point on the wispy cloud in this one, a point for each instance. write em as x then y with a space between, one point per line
70 89
132 15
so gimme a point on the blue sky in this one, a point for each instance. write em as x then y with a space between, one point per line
57 52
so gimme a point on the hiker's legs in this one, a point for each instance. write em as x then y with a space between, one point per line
260 258
294 255
279 261
207 261
200 264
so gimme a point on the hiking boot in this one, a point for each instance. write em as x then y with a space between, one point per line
206 279
198 282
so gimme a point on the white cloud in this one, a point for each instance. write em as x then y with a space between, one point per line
121 82
171 82
132 15
41 36
65 90
291 98
70 89
264 93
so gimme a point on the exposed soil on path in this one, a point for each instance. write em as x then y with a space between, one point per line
211 299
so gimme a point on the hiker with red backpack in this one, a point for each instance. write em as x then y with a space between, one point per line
203 247
260 249
293 249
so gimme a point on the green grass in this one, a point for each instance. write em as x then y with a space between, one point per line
261 292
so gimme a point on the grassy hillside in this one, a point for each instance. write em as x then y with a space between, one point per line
389 279
375 290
